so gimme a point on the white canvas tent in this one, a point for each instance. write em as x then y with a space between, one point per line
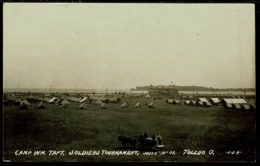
26 102
103 99
245 107
170 101
228 106
215 101
176 102
151 105
203 100
63 97
11 98
114 100
124 105
18 100
41 106
187 102
192 103
234 101
83 100
53 100
138 105
74 99
207 104
236 106
83 106
199 103
98 102
65 102
103 106
46 99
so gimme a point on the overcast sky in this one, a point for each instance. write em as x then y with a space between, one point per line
128 45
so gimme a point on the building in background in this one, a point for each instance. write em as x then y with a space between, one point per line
163 90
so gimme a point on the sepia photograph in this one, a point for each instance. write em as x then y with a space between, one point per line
128 82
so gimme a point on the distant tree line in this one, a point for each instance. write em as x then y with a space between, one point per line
197 88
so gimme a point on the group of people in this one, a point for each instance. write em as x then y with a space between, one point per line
157 138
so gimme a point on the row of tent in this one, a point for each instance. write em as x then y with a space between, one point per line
237 104
24 104
199 101
85 106
228 103
173 101
123 105
240 106
74 99
64 103
139 105
210 101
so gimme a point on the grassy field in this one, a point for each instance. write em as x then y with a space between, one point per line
94 129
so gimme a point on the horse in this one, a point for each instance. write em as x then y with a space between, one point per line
127 142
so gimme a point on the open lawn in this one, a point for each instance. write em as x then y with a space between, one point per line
94 129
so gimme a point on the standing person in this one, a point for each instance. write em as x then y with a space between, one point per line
141 136
145 135
153 137
154 141
159 138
